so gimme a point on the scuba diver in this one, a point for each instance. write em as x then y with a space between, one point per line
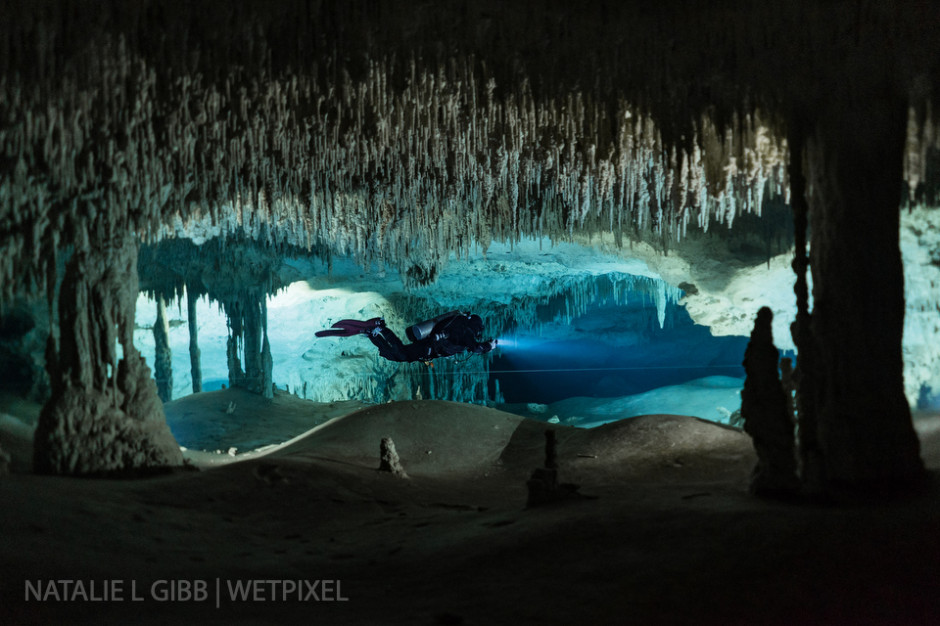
445 335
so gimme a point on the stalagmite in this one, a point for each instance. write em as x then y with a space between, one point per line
388 458
765 410
104 415
543 486
551 451
163 361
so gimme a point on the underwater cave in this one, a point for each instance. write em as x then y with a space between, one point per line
702 239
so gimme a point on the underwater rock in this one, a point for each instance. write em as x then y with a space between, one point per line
543 485
766 413
389 458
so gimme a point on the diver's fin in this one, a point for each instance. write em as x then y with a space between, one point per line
337 332
348 328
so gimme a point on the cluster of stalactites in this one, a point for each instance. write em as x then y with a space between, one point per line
565 300
560 300
222 268
920 148
381 174
365 167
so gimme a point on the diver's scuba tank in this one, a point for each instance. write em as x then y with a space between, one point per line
421 330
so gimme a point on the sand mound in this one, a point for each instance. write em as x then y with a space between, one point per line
436 437
431 436
235 418
670 447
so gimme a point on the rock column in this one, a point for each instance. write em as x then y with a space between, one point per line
194 355
812 468
765 409
864 429
104 414
248 328
163 358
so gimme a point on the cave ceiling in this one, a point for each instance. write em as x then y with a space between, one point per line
404 136
405 133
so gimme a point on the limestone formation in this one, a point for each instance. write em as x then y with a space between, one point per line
176 268
194 354
812 470
389 461
163 361
551 450
104 415
543 486
249 352
789 385
765 410
864 431
24 328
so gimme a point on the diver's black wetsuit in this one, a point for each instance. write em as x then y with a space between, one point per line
449 336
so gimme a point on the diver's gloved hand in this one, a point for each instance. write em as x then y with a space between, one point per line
485 346
374 326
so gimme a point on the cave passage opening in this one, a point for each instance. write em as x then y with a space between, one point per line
585 337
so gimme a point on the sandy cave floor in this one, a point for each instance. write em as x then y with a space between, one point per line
669 536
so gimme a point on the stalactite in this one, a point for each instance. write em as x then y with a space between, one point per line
194 356
267 364
248 351
251 344
236 374
163 361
